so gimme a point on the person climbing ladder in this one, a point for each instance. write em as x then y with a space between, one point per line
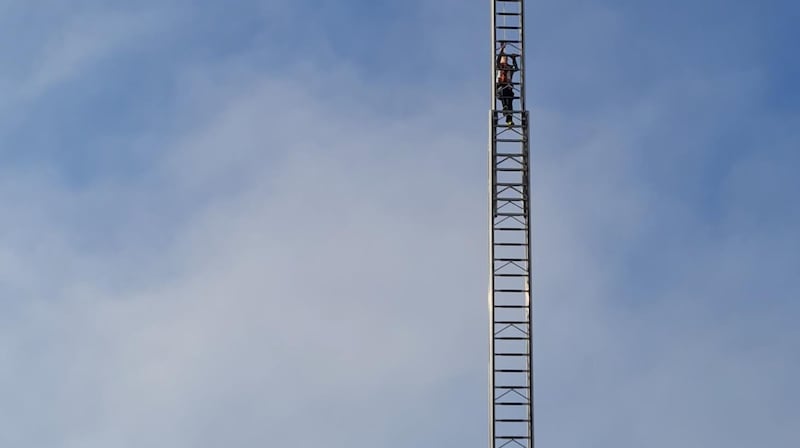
505 87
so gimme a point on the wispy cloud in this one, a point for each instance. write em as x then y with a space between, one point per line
78 42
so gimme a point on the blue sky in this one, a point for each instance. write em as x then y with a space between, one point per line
262 223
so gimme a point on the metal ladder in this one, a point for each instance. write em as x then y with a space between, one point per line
511 315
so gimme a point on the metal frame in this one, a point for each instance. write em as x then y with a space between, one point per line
510 308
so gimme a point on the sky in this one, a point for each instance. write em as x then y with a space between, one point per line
263 223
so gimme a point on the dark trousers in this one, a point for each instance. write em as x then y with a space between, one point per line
505 92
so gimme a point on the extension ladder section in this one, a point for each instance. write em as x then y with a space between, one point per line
511 363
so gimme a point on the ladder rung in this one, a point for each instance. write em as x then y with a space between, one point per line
510 275
509 198
510 290
511 387
509 229
512 126
511 437
511 354
511 322
508 154
506 27
510 420
505 403
512 370
512 338
510 244
510 140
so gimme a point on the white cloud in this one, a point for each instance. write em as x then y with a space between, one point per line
303 294
76 42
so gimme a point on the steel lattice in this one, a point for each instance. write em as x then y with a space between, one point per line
511 316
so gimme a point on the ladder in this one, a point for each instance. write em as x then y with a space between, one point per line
510 311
